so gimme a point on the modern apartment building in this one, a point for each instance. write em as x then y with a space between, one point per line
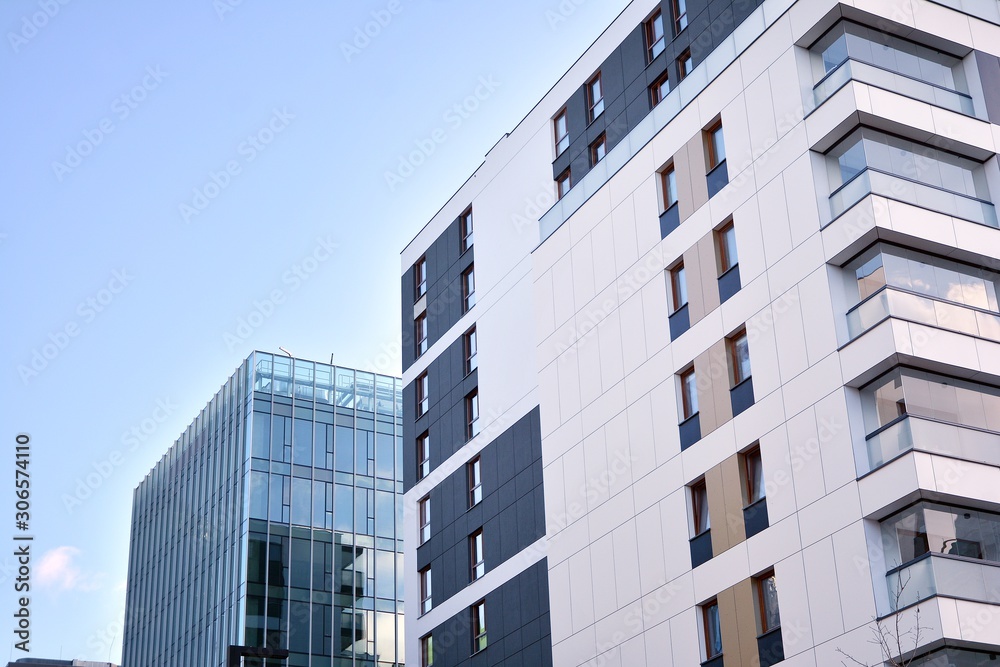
48 662
703 362
272 522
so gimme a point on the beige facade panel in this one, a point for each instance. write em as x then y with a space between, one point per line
708 278
696 163
714 486
719 359
733 493
696 301
685 179
729 625
707 409
746 623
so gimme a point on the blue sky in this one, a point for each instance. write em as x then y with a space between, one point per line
187 181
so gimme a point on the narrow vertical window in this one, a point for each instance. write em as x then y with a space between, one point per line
471 351
561 132
479 626
699 508
427 651
420 278
680 15
739 358
425 590
659 89
713 631
598 150
472 414
563 183
654 36
424 510
684 63
725 241
476 554
420 333
767 602
465 228
469 288
595 98
423 455
678 287
689 393
753 470
475 470
668 181
423 400
715 146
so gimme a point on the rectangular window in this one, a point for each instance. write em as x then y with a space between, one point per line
598 150
469 288
423 455
684 63
715 146
561 131
767 602
739 358
423 400
425 590
659 89
424 510
475 470
563 183
479 626
725 244
476 554
420 278
465 225
680 15
678 287
668 182
753 472
427 651
713 631
471 351
472 414
699 508
655 42
689 394
595 98
420 333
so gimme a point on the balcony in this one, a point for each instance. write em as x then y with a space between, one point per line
871 181
950 575
928 435
912 307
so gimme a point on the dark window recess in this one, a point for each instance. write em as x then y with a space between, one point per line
669 220
729 282
718 178
770 648
680 322
701 549
741 396
690 431
755 517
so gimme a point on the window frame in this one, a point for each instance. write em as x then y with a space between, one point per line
684 64
420 334
667 188
558 139
598 150
722 235
699 497
423 455
427 651
419 278
679 9
677 275
705 613
479 636
758 583
426 584
650 32
470 348
566 177
595 105
474 470
472 414
465 230
424 519
753 494
468 288
736 376
423 394
656 92
712 154
477 548
689 403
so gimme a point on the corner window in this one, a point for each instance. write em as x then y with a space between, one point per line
423 455
420 333
424 511
479 626
678 287
725 244
563 184
561 130
423 389
659 89
598 150
668 184
715 146
420 278
425 590
465 229
471 346
739 358
475 471
595 98
680 15
700 522
476 554
655 42
468 288
472 414
689 394
712 629
684 64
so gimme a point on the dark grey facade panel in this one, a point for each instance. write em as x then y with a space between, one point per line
626 76
511 514
989 73
517 627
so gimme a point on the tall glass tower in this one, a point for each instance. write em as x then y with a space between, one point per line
274 520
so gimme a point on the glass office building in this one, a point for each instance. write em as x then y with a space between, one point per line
274 520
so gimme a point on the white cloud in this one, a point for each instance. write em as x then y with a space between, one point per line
57 570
